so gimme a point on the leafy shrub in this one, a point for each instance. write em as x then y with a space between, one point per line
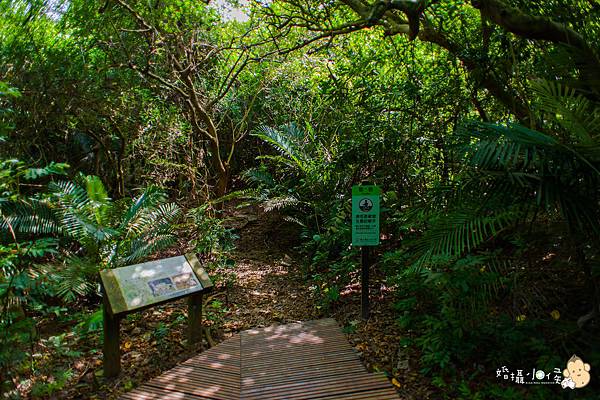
313 194
210 236
215 242
25 228
107 233
452 288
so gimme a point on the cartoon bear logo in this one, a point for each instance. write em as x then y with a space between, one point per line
577 374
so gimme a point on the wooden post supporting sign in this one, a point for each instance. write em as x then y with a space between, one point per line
110 347
195 318
138 287
364 301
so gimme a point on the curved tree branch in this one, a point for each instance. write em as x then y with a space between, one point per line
528 26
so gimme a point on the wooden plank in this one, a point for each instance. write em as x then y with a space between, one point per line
380 394
306 361
151 393
273 379
200 388
214 374
329 385
319 343
300 361
192 374
223 358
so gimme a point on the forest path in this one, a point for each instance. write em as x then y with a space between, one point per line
270 286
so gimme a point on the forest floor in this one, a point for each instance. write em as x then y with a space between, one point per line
270 287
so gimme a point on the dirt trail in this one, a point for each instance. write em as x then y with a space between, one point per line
270 286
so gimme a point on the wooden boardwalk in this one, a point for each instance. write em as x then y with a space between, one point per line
309 360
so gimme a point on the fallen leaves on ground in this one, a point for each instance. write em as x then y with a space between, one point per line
270 287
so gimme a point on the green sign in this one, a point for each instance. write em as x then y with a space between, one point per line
365 215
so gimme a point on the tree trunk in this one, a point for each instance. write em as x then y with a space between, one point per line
222 182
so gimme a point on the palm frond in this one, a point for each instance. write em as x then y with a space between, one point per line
27 217
164 218
108 229
571 110
149 198
156 220
285 141
537 166
69 194
462 230
74 278
141 248
81 227
258 176
506 147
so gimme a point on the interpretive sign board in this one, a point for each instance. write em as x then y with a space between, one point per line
140 285
137 287
365 215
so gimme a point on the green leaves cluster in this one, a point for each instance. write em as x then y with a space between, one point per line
111 233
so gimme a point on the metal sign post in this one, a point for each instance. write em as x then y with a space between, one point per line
365 233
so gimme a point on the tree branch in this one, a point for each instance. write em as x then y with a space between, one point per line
529 27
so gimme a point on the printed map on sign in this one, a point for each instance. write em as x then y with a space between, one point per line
156 281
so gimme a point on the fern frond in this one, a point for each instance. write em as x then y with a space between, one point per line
294 220
277 203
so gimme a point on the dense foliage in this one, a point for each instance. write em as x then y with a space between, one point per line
128 125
